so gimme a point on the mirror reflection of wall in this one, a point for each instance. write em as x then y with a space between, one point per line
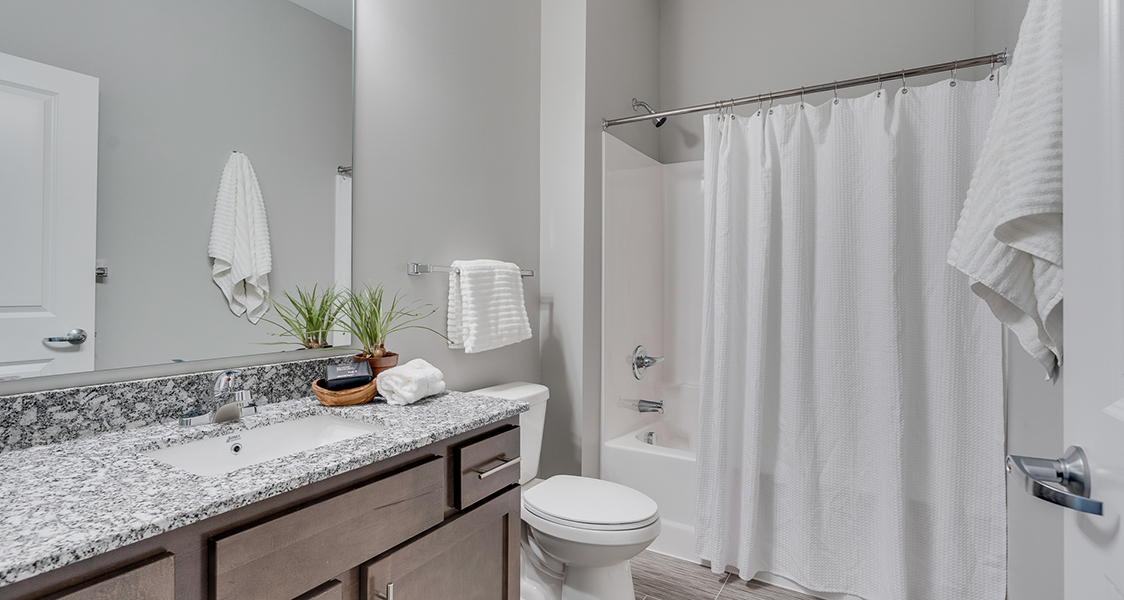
183 83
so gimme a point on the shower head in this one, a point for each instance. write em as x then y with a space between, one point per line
636 104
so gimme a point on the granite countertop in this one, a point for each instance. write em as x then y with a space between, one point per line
68 501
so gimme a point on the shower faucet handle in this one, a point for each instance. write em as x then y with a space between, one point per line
641 361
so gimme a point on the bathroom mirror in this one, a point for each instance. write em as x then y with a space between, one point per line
181 85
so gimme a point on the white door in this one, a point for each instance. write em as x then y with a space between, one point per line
48 213
1093 374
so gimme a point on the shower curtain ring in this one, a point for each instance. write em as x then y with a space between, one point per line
801 97
904 90
953 82
879 94
836 93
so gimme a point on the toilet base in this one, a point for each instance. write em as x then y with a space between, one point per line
598 583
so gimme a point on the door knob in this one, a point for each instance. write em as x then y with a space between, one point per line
1065 481
75 336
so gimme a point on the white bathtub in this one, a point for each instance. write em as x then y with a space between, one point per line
665 474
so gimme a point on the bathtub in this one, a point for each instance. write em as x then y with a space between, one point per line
665 472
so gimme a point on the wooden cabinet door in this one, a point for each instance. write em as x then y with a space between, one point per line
472 556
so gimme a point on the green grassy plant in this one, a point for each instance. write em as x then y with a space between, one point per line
308 317
371 321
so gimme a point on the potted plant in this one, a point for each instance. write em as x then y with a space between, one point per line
370 321
309 317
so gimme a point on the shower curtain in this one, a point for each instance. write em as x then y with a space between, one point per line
851 424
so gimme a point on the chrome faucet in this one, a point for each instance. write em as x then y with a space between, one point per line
649 406
229 405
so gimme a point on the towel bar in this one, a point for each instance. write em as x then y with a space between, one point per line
414 268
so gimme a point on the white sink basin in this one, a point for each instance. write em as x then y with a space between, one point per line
215 456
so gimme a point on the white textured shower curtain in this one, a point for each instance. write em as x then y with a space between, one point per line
851 424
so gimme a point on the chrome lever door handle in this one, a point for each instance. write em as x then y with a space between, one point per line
75 336
1065 481
389 595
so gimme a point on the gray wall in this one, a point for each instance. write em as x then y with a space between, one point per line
447 160
183 84
622 58
597 56
718 49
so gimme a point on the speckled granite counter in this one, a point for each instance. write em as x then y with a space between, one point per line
65 502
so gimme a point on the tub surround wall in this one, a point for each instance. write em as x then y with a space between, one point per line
633 285
653 251
67 414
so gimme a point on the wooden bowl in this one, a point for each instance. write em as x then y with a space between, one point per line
349 397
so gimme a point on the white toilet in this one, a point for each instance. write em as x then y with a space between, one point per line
578 532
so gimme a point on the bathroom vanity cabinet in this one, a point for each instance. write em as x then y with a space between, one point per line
441 521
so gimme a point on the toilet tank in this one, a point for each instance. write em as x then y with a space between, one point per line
531 422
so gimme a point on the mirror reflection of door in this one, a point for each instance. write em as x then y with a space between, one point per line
48 212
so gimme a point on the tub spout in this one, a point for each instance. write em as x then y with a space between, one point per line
649 406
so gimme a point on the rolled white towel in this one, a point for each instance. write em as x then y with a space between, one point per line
408 383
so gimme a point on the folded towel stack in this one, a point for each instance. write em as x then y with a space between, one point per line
486 307
240 240
408 383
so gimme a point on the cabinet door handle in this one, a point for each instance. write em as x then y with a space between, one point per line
389 595
506 464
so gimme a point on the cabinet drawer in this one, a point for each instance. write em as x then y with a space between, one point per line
152 579
486 466
294 552
333 590
472 556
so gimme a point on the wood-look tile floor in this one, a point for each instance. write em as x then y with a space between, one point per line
659 577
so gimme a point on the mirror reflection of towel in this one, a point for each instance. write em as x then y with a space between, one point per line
240 240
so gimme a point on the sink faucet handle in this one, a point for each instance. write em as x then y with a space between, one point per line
224 381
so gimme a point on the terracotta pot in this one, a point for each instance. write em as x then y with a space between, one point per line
378 365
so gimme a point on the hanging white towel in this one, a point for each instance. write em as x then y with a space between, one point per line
1009 238
486 307
240 240
408 383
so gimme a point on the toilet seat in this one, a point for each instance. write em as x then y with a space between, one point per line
589 504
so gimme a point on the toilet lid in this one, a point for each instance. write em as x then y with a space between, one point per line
589 503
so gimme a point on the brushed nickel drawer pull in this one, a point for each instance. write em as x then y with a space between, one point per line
506 464
389 595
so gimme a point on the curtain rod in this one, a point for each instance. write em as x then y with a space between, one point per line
990 59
